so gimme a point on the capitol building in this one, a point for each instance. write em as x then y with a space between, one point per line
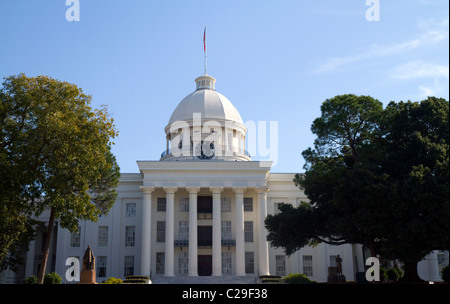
198 211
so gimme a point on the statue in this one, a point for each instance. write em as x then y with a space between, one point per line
339 265
88 267
88 259
335 274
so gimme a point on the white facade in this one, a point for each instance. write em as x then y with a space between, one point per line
199 210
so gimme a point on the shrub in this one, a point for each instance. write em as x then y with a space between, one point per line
446 274
30 280
394 274
383 274
113 280
52 278
298 278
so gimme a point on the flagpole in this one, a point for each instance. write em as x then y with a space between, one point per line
204 47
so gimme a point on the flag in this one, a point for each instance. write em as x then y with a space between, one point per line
204 40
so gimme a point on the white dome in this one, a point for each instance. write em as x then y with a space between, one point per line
206 101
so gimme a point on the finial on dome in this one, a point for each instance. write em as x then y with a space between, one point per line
205 82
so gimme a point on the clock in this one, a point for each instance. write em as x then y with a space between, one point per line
204 150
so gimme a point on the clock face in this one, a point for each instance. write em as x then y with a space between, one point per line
204 150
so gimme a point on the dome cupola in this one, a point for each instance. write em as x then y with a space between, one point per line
205 126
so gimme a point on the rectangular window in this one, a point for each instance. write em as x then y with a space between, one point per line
183 230
131 210
184 204
101 266
129 266
225 204
248 231
226 230
103 236
249 262
308 265
130 232
160 260
183 263
161 232
226 263
161 204
333 260
248 204
230 141
280 265
75 238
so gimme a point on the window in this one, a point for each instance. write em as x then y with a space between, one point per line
307 265
160 258
161 232
184 204
225 204
129 236
183 263
280 265
130 210
129 266
230 141
102 236
75 238
226 263
248 231
226 230
161 204
183 230
248 203
333 260
249 262
442 261
101 266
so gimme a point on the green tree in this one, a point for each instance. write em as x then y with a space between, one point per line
375 177
56 154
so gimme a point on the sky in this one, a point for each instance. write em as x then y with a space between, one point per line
276 61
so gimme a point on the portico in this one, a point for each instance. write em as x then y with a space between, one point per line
205 216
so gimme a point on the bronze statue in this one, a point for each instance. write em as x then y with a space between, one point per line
339 265
88 259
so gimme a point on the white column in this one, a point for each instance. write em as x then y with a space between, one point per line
146 231
263 246
240 243
192 254
170 225
217 233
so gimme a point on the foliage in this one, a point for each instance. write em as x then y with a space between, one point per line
394 274
112 280
375 177
298 278
30 280
52 278
55 153
446 274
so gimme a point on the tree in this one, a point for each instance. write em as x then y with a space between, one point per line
338 177
375 177
56 154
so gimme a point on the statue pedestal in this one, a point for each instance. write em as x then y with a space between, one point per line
87 277
334 277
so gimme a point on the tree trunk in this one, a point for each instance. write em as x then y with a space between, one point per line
51 222
411 274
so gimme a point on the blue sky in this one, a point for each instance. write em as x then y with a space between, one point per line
274 60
